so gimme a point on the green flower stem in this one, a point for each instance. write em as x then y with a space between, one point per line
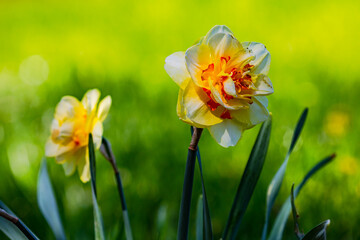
184 215
19 224
106 151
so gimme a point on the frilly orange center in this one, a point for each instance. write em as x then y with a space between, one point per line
219 72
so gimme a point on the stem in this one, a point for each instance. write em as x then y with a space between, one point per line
107 152
18 224
184 215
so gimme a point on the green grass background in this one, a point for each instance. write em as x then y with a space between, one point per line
120 48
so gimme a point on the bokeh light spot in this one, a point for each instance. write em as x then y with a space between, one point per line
34 70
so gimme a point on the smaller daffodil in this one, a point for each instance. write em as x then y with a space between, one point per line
73 122
223 84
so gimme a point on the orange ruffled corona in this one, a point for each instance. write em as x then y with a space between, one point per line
70 129
223 84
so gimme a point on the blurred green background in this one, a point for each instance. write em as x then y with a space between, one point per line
49 49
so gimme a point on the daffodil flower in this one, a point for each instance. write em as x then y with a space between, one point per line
70 129
223 84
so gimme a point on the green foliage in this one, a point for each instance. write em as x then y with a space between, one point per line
47 202
15 230
281 219
248 181
98 222
205 206
11 230
274 186
317 233
200 219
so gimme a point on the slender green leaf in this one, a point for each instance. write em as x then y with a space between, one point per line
206 218
15 231
98 223
47 202
106 150
199 219
248 181
11 230
274 186
318 233
281 219
298 233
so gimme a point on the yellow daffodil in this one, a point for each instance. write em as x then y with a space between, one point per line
70 129
223 84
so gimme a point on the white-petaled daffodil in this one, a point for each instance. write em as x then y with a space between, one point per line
223 84
73 122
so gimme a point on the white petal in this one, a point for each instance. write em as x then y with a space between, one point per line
215 30
66 108
52 149
69 167
65 131
262 57
224 45
84 167
232 104
90 100
227 133
97 133
256 114
263 85
229 87
197 59
104 107
176 68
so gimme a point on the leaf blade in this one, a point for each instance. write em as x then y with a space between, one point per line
47 202
98 222
281 219
206 211
14 230
199 219
318 232
249 180
276 182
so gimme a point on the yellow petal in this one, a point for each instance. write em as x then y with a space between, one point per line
66 108
176 68
90 100
97 133
198 58
262 57
194 101
84 167
181 111
216 29
227 133
224 45
256 114
104 107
